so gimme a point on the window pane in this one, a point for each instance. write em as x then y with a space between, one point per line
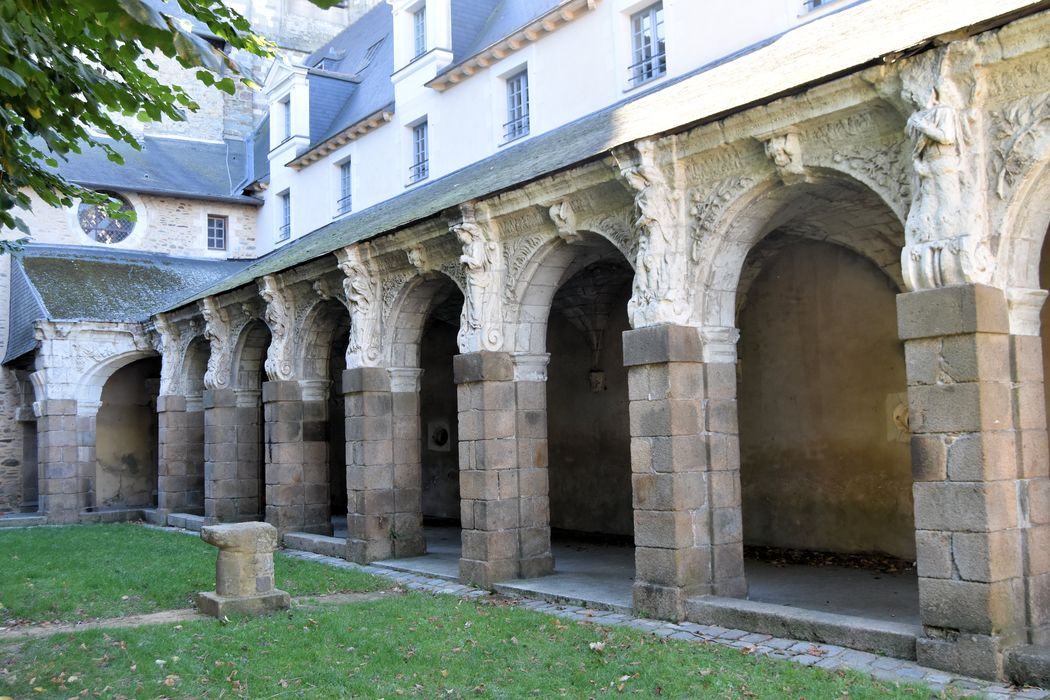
648 58
517 107
344 188
420 165
217 232
419 25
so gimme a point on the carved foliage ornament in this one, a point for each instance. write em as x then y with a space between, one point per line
167 341
217 331
362 289
1017 130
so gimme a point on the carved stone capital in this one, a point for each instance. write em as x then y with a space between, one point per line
217 331
943 263
405 379
660 281
1024 307
362 289
481 324
168 341
531 367
718 344
279 317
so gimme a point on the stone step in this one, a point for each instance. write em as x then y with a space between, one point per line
318 544
187 521
1028 665
22 520
411 566
112 515
523 589
895 639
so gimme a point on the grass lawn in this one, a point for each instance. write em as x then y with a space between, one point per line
83 572
415 645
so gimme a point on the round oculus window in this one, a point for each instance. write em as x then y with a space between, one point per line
99 226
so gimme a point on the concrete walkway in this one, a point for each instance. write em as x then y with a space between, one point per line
826 656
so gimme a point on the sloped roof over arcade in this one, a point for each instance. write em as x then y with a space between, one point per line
72 283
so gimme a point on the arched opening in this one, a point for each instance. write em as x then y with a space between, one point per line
825 464
425 428
326 333
242 495
126 438
576 304
191 486
438 424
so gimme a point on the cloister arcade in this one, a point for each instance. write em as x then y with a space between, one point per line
815 325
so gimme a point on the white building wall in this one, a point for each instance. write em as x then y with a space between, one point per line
580 68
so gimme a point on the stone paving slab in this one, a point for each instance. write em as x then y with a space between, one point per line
827 656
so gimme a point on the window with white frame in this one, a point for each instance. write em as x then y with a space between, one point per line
284 232
517 106
344 202
420 153
217 226
648 52
419 31
286 117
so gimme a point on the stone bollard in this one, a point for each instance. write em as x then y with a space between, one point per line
244 582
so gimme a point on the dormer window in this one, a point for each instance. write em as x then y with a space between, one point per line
419 31
286 118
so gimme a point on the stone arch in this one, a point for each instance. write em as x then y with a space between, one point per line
1025 223
320 331
89 388
549 267
814 210
194 365
125 473
409 312
249 356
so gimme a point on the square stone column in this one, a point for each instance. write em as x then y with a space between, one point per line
685 460
231 447
180 455
383 473
504 506
296 458
968 482
63 493
530 394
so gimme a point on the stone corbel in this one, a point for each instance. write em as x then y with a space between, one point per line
564 218
217 331
280 317
481 324
419 259
660 280
362 289
785 150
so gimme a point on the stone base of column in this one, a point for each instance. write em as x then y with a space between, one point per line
504 508
385 519
61 491
977 655
685 472
296 460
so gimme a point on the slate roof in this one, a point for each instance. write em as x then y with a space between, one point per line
355 82
24 307
485 22
73 283
164 166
